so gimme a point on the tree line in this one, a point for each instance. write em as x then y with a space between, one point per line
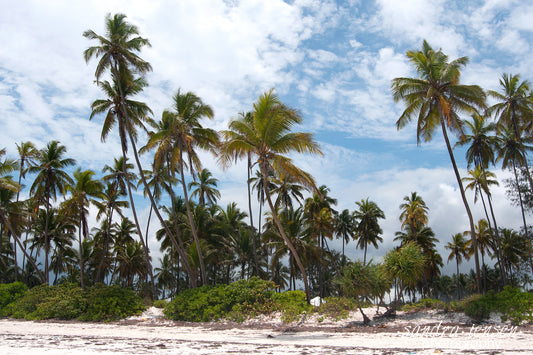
204 243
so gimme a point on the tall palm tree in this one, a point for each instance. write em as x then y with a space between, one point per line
28 155
51 179
436 98
512 153
481 152
414 211
345 227
180 140
205 188
82 190
458 249
266 134
368 229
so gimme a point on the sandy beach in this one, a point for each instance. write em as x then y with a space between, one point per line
418 333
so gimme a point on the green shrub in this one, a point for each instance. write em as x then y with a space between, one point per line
64 301
237 301
159 303
106 303
336 307
477 308
424 304
291 304
11 292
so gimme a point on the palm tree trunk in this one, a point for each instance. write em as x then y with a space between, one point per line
458 283
30 259
498 242
191 221
283 235
465 202
82 281
256 262
520 198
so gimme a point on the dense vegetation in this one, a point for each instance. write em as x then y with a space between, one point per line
44 203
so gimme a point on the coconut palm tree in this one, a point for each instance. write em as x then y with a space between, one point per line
51 179
459 249
368 229
205 188
28 155
512 153
414 211
345 227
436 98
82 190
180 139
266 134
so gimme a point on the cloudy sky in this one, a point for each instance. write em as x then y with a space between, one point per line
332 60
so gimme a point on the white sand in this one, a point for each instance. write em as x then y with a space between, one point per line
421 333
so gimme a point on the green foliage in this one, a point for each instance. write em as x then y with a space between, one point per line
160 303
336 307
11 292
106 303
424 304
69 301
514 304
291 304
237 301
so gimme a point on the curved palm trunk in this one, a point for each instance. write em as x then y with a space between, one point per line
191 222
465 202
284 236
30 259
498 242
256 262
520 198
114 71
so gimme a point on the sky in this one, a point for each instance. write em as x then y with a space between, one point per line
331 60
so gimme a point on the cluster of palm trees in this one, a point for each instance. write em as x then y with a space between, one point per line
498 133
206 244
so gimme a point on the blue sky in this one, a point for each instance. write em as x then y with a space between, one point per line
332 60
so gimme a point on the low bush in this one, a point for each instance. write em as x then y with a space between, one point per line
236 301
11 292
160 303
514 304
291 304
424 304
106 303
69 301
337 307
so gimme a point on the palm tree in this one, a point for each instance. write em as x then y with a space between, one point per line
436 97
481 152
458 249
28 155
50 179
84 187
512 152
205 188
182 136
414 211
368 229
345 227
286 190
266 134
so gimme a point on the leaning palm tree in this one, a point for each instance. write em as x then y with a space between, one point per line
178 143
368 229
28 155
266 134
436 98
51 179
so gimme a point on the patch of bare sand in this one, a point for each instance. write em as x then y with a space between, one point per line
421 333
